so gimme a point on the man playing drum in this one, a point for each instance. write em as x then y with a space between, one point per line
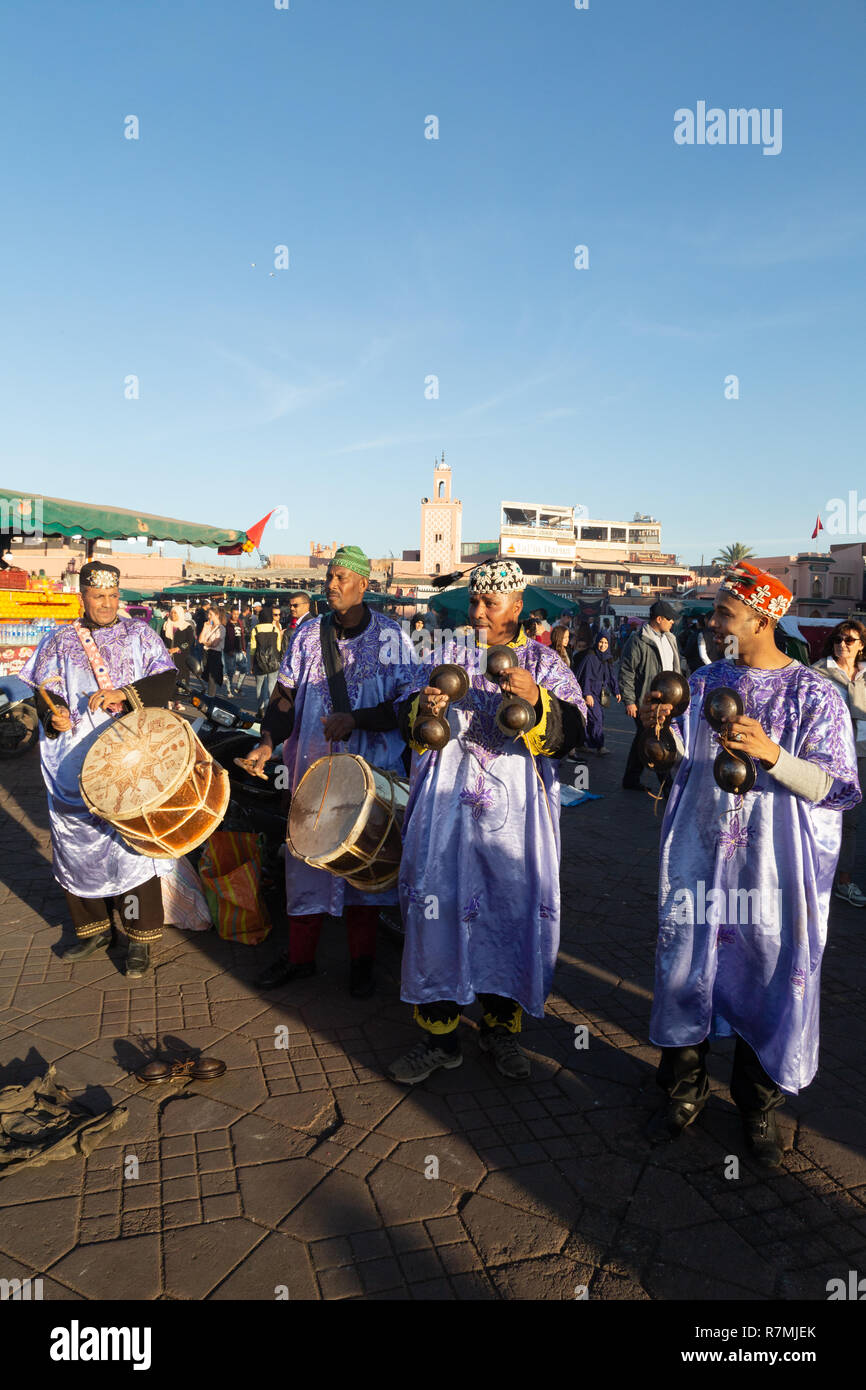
345 658
86 670
479 876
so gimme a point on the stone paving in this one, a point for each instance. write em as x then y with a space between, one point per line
302 1172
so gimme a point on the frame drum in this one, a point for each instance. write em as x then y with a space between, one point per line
346 817
148 776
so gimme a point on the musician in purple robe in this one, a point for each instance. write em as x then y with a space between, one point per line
479 876
745 880
369 658
89 670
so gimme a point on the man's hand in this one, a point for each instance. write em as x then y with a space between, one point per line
652 712
260 755
631 710
517 681
61 721
103 698
432 701
618 698
589 701
745 735
338 727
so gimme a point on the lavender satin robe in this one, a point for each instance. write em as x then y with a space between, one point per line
90 858
752 965
479 876
378 666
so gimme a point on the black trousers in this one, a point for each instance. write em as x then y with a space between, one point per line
682 1075
634 767
139 910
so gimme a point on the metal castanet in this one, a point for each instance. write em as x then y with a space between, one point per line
433 730
515 715
670 688
734 772
722 706
656 746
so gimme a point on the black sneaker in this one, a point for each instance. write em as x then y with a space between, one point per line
283 971
762 1138
362 982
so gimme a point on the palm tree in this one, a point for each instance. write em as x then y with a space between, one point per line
732 554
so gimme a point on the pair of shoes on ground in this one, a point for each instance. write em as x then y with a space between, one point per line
759 1128
427 1056
137 954
850 893
362 981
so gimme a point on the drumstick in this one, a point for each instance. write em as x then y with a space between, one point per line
327 783
55 709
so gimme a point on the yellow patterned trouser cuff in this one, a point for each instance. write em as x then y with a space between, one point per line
93 928
435 1026
142 934
513 1024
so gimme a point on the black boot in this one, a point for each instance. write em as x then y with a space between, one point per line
137 959
669 1122
762 1137
89 946
362 982
283 971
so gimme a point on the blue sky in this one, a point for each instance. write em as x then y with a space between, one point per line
412 257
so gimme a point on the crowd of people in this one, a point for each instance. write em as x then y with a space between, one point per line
478 885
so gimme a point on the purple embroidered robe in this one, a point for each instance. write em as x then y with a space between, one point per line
90 858
479 876
377 667
745 881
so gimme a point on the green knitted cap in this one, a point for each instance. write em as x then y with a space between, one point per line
352 557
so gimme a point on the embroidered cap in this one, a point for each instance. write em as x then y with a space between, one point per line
96 575
352 557
759 589
497 577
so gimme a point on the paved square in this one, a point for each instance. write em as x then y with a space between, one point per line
304 1170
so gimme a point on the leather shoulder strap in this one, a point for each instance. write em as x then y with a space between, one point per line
333 664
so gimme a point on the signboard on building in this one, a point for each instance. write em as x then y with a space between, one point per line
533 547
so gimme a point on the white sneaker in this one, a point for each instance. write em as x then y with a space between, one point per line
851 894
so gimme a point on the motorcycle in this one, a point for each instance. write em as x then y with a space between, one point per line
257 804
19 723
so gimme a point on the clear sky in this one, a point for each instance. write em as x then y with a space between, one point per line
411 257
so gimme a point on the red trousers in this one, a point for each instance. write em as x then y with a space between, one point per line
361 924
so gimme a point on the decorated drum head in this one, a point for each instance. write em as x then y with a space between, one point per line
326 811
136 763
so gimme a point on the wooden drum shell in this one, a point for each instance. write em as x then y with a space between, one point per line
182 813
368 855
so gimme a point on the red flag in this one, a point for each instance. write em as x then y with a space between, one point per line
818 527
253 536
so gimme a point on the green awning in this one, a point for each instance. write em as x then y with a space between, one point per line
63 518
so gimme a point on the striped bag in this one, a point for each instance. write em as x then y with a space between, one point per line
230 869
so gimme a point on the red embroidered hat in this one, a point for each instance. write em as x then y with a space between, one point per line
759 589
